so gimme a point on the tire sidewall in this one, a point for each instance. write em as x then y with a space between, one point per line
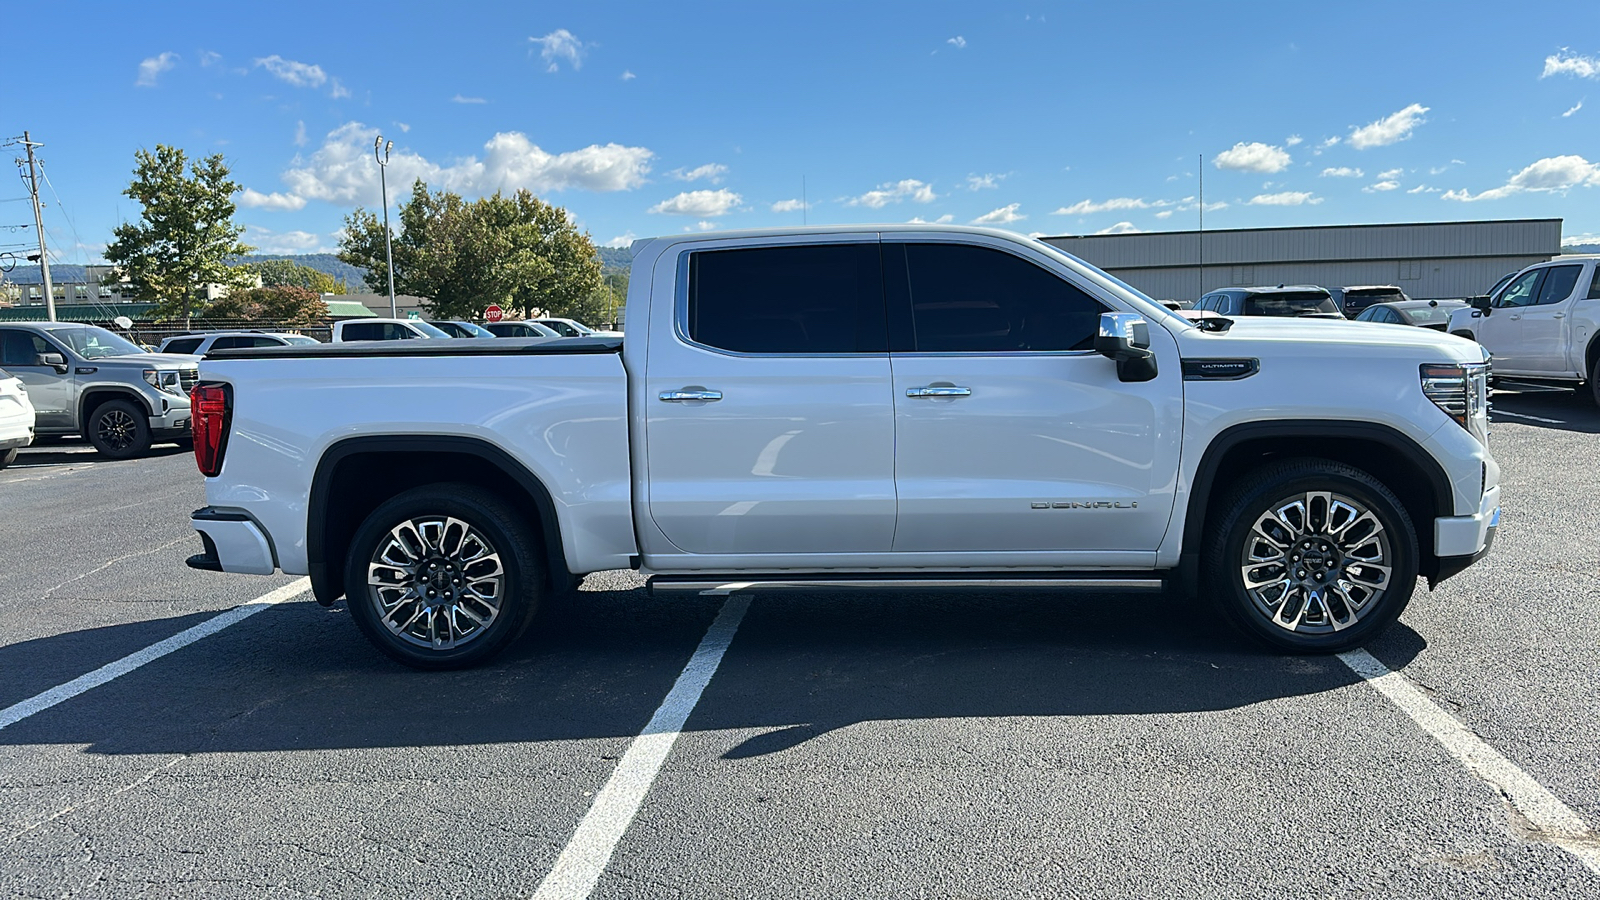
1227 585
141 427
481 511
7 457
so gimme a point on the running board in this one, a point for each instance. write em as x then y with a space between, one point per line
734 584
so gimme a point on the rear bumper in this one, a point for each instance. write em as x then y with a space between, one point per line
17 440
234 542
1460 541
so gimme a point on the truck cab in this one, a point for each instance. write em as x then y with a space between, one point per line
1543 325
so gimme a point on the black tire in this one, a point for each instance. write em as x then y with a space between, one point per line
119 429
7 457
1594 382
1316 627
500 529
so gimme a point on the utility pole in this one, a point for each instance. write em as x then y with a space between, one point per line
1200 236
38 226
388 252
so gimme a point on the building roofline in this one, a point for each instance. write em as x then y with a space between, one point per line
1051 237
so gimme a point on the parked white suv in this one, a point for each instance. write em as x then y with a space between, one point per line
201 344
385 330
894 407
16 418
1543 326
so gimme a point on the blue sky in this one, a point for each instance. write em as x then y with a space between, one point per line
1042 117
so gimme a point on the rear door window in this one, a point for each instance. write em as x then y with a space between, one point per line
231 342
808 299
967 299
362 331
1558 284
184 345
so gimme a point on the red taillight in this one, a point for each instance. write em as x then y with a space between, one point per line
210 409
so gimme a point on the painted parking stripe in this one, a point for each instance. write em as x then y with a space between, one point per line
11 715
585 857
1554 820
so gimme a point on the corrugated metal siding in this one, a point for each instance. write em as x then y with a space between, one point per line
1439 279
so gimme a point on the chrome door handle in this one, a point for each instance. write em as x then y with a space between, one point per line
1516 317
687 395
938 392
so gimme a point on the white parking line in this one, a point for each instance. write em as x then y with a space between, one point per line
589 850
1552 819
1507 412
11 715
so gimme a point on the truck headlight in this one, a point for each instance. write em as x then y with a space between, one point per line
163 381
1461 390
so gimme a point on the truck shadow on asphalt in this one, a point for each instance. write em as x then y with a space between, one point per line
77 453
299 677
1561 410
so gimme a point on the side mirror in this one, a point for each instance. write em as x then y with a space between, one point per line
1125 337
53 360
1480 303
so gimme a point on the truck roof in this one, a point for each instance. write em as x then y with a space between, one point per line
637 246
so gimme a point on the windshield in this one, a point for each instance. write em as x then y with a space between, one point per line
94 342
1289 304
300 339
566 329
1430 315
1361 299
428 330
473 330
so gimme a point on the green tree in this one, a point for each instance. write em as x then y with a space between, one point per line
276 272
185 234
515 251
281 304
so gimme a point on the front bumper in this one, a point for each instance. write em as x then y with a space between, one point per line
1460 541
234 542
174 419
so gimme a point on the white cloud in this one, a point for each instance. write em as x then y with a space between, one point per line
1571 64
1390 129
342 170
788 206
711 172
699 203
1342 172
154 66
210 58
300 134
1087 207
338 91
1329 142
627 75
257 200
1253 157
1554 173
298 74
984 182
703 225
1285 198
1120 228
1164 214
1292 139
945 219
1390 174
1005 215
1380 187
404 128
1568 113
1423 189
957 42
268 241
621 240
559 45
1572 239
894 192
471 100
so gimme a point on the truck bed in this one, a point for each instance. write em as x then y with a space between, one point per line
455 347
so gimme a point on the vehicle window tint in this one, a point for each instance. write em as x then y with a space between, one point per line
264 342
1289 304
19 348
230 342
362 331
975 299
1520 291
1558 284
1209 302
561 328
1594 285
819 298
186 345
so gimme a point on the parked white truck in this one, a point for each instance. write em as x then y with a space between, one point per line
908 407
1543 325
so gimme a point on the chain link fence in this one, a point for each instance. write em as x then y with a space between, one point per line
151 334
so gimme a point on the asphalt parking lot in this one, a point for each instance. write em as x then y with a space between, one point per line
849 746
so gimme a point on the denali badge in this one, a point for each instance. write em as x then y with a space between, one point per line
1085 504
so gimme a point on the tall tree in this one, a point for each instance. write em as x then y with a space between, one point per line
287 272
279 304
514 251
185 234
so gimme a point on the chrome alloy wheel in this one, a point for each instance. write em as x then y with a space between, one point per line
436 582
117 429
1315 563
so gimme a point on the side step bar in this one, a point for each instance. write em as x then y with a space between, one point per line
712 586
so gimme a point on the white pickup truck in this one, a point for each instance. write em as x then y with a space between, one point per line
1543 325
900 407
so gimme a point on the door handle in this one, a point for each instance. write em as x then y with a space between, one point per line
1559 316
686 395
950 391
1516 317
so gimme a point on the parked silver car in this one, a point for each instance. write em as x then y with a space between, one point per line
83 379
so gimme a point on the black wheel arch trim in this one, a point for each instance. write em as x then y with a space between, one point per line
327 587
1202 487
120 392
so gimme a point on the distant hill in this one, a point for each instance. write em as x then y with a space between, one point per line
614 260
1580 248
322 262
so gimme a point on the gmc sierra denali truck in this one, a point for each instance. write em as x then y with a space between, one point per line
900 407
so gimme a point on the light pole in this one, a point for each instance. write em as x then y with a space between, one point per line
383 179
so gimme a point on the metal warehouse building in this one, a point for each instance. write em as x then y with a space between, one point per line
1428 260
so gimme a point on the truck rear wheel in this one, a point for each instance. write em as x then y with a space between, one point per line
119 429
443 576
1311 556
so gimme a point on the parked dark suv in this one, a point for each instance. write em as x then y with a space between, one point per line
1285 300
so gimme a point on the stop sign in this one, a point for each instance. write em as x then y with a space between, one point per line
494 313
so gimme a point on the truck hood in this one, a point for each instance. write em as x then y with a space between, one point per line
150 360
1262 336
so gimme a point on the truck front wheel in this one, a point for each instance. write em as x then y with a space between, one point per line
1311 556
119 429
443 576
